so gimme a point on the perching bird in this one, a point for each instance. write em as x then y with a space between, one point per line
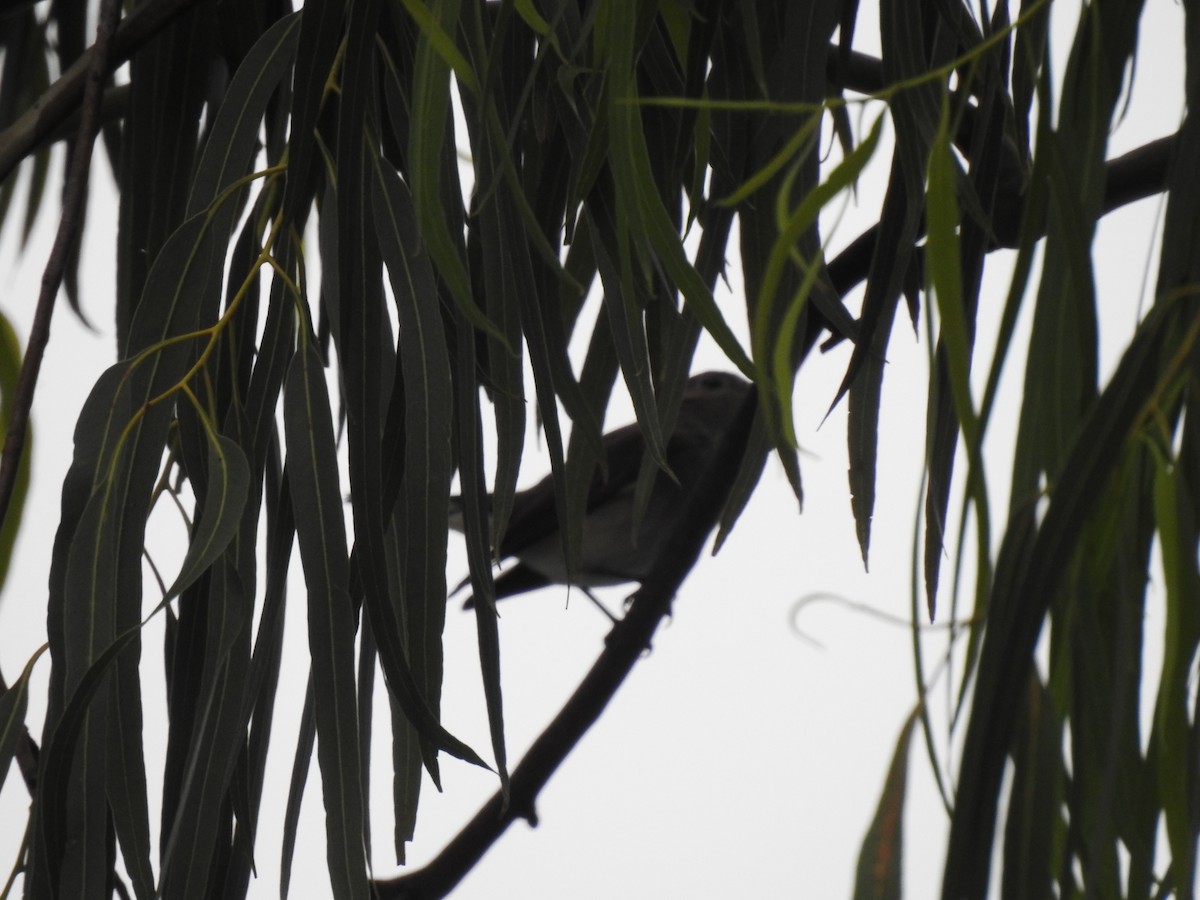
609 553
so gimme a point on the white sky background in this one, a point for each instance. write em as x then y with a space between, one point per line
738 759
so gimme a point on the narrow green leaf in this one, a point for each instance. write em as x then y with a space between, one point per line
600 368
420 521
625 324
758 449
1060 377
879 860
368 663
55 781
263 677
272 356
907 55
1036 799
506 376
802 140
1029 54
530 16
10 369
1028 575
125 770
862 431
168 86
427 146
225 498
317 44
365 355
13 704
38 173
1176 763
233 138
470 463
513 281
99 572
442 43
191 847
98 556
650 225
942 263
943 252
300 763
313 471
776 342
30 85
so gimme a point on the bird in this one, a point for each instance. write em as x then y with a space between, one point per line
610 554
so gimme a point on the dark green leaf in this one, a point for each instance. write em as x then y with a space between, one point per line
879 861
168 82
10 368
300 763
313 473
1029 572
228 487
320 31
1182 630
232 140
193 843
13 704
1033 824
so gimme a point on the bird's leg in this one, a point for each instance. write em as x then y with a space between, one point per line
600 606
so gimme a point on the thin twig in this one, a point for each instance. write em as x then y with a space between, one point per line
68 227
39 335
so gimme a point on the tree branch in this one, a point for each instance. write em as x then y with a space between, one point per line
68 228
626 644
39 335
62 98
1134 176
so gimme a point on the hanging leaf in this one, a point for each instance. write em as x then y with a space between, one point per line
879 861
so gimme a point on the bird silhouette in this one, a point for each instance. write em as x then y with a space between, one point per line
611 553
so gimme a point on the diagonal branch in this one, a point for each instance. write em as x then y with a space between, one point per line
73 198
1134 176
39 334
63 97
626 644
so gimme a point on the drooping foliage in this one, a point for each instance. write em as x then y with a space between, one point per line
251 141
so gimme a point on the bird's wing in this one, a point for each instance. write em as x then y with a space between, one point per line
535 516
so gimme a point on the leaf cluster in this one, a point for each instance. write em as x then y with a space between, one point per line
297 221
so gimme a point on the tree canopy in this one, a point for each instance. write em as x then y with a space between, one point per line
366 221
